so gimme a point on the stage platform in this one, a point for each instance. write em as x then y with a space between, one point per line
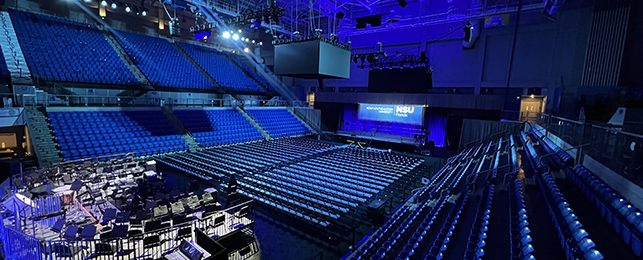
389 138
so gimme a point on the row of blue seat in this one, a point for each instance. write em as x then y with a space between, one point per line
520 238
221 69
218 127
573 237
625 219
561 156
534 157
476 240
63 50
278 122
187 168
144 132
443 237
379 243
428 214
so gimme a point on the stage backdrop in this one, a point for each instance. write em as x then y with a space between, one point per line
434 120
391 113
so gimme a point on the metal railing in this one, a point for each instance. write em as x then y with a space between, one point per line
18 245
619 150
46 99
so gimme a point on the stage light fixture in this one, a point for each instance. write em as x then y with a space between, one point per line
239 30
144 13
243 38
128 9
88 1
114 5
235 37
247 40
226 35
103 3
246 49
253 41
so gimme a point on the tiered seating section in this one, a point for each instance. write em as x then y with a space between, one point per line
218 127
324 188
252 72
625 219
163 65
278 122
90 134
224 71
521 246
66 51
249 157
561 157
4 71
573 237
476 242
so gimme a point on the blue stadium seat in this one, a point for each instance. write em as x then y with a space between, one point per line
278 122
163 65
62 50
221 69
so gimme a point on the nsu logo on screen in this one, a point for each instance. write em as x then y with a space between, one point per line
403 111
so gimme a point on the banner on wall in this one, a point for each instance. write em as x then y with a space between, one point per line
392 113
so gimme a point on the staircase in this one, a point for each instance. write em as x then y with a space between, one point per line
42 136
197 66
254 123
247 72
303 120
146 85
180 129
220 89
12 52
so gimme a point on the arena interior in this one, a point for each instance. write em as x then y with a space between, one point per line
321 129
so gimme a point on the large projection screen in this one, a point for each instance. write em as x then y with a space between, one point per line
392 113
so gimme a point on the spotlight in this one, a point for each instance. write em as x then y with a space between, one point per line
144 13
88 1
242 38
261 43
128 9
247 40
239 30
253 41
246 50
103 3
114 5
235 37
226 35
